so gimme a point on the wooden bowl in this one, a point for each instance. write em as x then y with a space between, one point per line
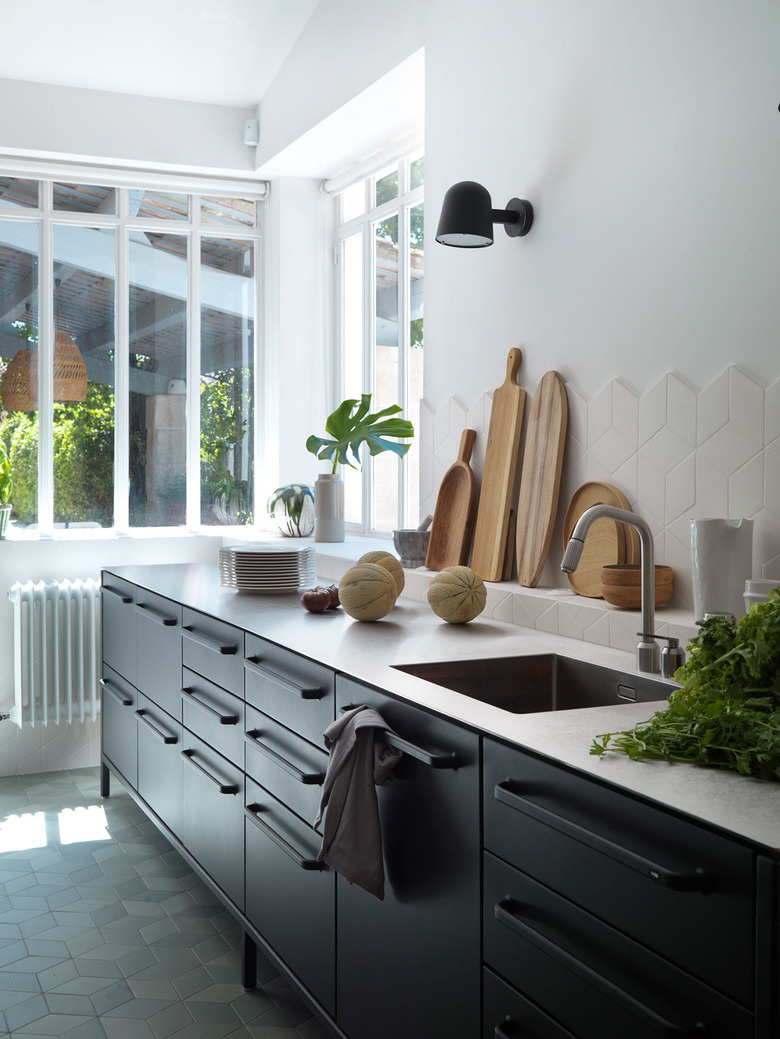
621 585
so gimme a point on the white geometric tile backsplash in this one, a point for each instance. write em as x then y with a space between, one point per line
676 454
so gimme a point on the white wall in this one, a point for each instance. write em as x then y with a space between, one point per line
647 138
93 125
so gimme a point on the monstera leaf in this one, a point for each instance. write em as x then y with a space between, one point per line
352 425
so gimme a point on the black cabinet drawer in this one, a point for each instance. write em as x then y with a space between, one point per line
214 649
290 897
158 628
288 687
674 886
291 768
213 815
118 620
213 714
159 762
118 736
589 977
508 1015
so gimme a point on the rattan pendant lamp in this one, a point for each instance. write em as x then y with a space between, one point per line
20 381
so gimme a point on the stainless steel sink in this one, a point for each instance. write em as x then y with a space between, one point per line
545 682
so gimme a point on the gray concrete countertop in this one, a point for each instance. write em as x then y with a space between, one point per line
411 633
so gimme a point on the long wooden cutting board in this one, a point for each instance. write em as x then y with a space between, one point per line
541 477
498 480
456 511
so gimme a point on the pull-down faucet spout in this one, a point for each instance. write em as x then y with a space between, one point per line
648 655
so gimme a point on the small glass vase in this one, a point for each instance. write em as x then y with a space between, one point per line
329 508
292 507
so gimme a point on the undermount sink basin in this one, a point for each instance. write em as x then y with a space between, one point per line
545 682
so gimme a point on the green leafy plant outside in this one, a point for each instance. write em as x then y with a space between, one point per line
727 712
352 425
6 481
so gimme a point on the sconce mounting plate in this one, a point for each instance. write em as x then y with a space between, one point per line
525 217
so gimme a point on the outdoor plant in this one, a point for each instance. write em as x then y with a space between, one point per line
6 483
351 425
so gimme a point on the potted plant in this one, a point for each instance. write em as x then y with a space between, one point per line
6 486
350 426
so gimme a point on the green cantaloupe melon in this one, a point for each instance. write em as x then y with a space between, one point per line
367 592
457 594
390 563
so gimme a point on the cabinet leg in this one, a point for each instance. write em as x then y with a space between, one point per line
248 962
105 781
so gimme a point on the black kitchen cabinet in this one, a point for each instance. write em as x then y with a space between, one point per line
409 965
158 635
118 626
159 762
118 704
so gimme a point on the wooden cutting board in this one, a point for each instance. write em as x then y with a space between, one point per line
607 543
456 511
541 477
498 480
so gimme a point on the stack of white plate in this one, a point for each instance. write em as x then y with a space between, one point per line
272 567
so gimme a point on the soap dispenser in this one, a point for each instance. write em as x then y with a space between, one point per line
672 656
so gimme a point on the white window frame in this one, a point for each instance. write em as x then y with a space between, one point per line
122 223
401 206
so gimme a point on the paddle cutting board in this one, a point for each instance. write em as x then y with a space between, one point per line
452 529
540 481
498 479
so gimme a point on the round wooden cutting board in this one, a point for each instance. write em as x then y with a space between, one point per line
607 542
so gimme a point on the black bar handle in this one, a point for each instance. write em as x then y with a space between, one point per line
432 758
166 737
252 813
106 590
506 914
224 648
501 1031
223 788
117 694
314 693
223 719
308 778
695 881
156 615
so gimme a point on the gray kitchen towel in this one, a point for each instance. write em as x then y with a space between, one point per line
352 834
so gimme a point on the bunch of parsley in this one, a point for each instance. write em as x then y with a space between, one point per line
727 712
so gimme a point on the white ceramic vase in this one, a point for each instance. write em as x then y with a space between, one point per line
721 562
329 508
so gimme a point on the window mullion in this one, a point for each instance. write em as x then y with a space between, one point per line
122 374
46 368
192 405
404 217
369 365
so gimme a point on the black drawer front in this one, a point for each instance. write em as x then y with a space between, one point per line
610 854
293 689
289 767
213 649
118 620
159 762
213 714
589 977
158 626
213 815
508 1015
118 736
290 898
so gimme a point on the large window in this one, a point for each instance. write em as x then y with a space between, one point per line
380 256
127 347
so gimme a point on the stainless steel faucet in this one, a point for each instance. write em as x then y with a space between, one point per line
648 655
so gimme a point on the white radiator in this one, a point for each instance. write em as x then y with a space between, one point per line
56 651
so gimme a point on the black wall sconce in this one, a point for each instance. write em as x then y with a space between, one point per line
467 217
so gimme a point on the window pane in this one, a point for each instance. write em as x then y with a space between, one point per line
158 352
417 172
84 198
18 193
238 212
84 278
415 361
19 362
386 187
227 381
386 367
157 205
353 201
352 344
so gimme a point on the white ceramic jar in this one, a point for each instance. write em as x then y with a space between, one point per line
758 591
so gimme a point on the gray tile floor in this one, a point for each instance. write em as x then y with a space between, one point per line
105 932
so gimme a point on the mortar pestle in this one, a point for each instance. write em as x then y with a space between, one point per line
412 545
